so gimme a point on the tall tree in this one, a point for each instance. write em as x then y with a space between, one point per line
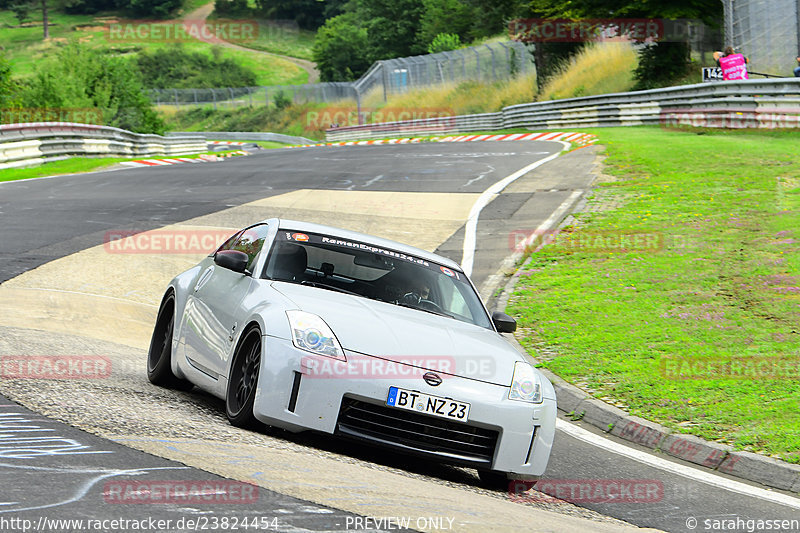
45 20
392 27
341 49
492 16
308 14
445 17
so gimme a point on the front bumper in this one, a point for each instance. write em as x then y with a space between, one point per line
294 393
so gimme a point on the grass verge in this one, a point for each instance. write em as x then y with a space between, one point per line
701 331
75 165
24 47
78 165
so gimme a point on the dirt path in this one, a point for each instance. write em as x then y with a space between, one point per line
203 12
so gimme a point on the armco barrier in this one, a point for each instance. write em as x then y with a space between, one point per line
751 103
29 144
244 136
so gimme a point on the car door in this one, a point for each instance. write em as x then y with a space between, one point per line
214 316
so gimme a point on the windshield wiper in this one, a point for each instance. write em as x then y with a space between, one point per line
329 287
431 311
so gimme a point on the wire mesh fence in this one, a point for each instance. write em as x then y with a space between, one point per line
232 97
766 31
489 62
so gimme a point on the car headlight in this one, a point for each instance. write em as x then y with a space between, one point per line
312 334
526 385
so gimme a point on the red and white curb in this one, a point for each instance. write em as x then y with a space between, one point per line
178 160
571 137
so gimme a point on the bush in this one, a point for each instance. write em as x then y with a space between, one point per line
7 85
281 100
231 7
176 68
153 8
661 64
444 42
79 77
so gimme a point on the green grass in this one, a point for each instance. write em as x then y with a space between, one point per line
24 47
724 286
293 42
74 165
268 70
77 165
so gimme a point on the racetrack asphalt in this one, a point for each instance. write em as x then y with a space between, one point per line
47 219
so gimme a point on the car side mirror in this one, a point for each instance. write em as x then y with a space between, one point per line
232 260
503 322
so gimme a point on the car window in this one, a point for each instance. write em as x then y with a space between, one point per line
249 241
228 243
375 272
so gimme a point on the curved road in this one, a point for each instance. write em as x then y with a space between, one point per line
65 294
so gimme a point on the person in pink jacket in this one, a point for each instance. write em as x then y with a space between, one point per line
734 66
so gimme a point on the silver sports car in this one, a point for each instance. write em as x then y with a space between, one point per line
308 327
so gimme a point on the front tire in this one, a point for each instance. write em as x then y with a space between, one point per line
243 380
159 357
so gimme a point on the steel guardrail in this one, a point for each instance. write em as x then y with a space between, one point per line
39 142
772 103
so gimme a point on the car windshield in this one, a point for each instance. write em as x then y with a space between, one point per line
374 272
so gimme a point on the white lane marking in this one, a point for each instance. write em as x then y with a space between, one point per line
480 177
82 490
373 180
470 232
676 468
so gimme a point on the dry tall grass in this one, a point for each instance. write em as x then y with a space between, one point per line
600 68
463 99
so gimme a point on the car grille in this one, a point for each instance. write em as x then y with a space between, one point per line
416 432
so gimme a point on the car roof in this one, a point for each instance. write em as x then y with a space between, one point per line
310 227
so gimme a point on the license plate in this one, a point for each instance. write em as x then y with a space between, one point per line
427 404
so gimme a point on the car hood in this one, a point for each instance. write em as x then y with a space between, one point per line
410 336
